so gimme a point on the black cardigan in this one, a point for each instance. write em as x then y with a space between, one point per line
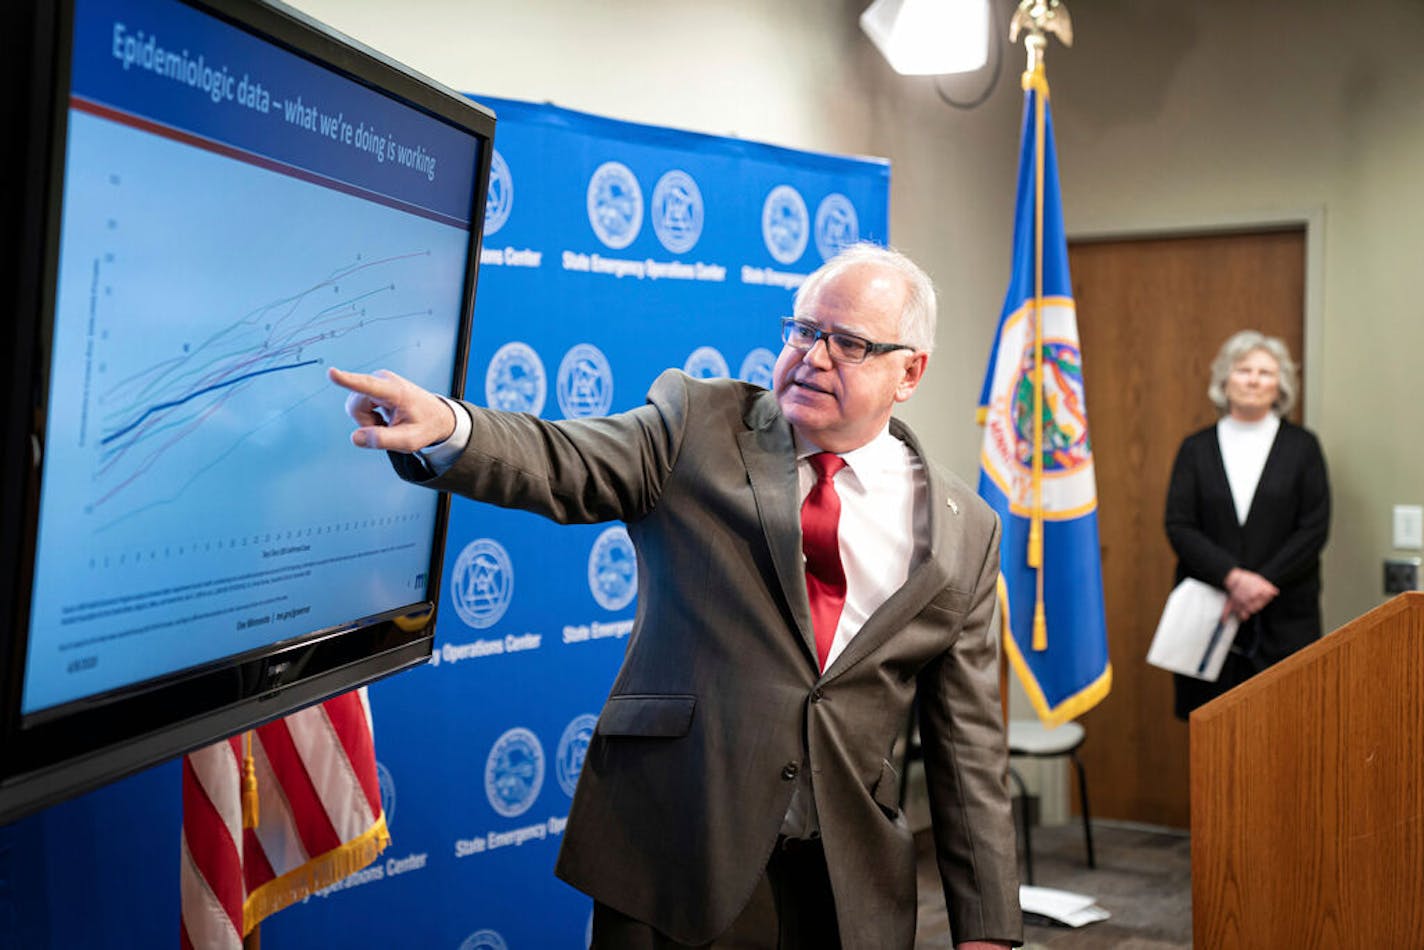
1281 540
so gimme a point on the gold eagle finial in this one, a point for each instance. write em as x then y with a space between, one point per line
1042 16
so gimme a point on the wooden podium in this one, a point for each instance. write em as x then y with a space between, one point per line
1307 787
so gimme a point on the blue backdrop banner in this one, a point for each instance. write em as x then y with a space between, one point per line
611 252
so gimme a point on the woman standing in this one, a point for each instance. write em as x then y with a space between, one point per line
1248 511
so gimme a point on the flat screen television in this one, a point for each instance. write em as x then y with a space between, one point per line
208 202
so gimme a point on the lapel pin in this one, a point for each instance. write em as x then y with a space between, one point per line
952 506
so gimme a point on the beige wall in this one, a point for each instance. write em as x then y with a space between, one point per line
1169 117
1173 115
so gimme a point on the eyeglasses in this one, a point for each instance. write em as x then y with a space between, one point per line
843 347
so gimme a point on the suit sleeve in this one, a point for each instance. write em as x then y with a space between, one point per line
572 471
1202 557
1298 553
966 770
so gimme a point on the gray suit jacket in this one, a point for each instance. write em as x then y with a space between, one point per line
719 704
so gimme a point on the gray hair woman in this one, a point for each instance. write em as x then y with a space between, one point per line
1235 350
1248 511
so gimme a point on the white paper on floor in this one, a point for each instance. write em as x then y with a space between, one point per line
1075 910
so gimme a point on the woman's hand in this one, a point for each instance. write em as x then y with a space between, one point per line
1247 592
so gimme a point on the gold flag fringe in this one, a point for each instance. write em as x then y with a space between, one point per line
323 871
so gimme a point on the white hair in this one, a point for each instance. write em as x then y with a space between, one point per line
917 320
1234 350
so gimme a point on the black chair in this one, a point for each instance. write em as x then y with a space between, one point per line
1027 739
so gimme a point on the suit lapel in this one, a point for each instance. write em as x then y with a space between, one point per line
926 578
769 453
890 617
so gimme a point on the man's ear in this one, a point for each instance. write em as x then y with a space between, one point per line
914 372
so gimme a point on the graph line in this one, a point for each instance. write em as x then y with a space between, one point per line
195 394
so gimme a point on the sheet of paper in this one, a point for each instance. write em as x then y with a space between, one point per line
1075 910
1191 637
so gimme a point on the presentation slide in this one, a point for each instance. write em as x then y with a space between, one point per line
235 220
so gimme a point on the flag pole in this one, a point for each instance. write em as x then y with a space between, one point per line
1035 78
1038 18
1054 482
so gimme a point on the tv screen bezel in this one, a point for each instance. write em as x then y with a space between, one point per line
53 754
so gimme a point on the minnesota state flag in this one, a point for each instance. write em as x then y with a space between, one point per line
1036 464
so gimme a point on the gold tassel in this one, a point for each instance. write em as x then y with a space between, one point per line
321 871
1040 627
249 785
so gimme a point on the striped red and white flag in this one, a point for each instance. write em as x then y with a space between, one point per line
319 808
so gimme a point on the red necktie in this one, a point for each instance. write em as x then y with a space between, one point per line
825 577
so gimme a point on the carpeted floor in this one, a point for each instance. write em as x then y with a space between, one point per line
1143 879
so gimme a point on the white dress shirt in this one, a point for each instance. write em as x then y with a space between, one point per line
884 524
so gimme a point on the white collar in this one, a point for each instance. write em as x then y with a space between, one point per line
864 462
1270 422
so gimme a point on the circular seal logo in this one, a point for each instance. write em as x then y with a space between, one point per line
756 368
1065 424
677 211
388 792
785 224
482 583
706 363
615 204
585 382
837 227
500 197
613 569
573 746
1069 489
514 772
484 940
515 379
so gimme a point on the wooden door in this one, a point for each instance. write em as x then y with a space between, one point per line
1151 315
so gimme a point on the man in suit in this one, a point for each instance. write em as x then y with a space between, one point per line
804 571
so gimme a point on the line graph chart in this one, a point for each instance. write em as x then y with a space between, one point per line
173 403
190 421
149 414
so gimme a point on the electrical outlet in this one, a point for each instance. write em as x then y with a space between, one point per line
1401 574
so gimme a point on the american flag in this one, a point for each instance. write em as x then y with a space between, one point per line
319 808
